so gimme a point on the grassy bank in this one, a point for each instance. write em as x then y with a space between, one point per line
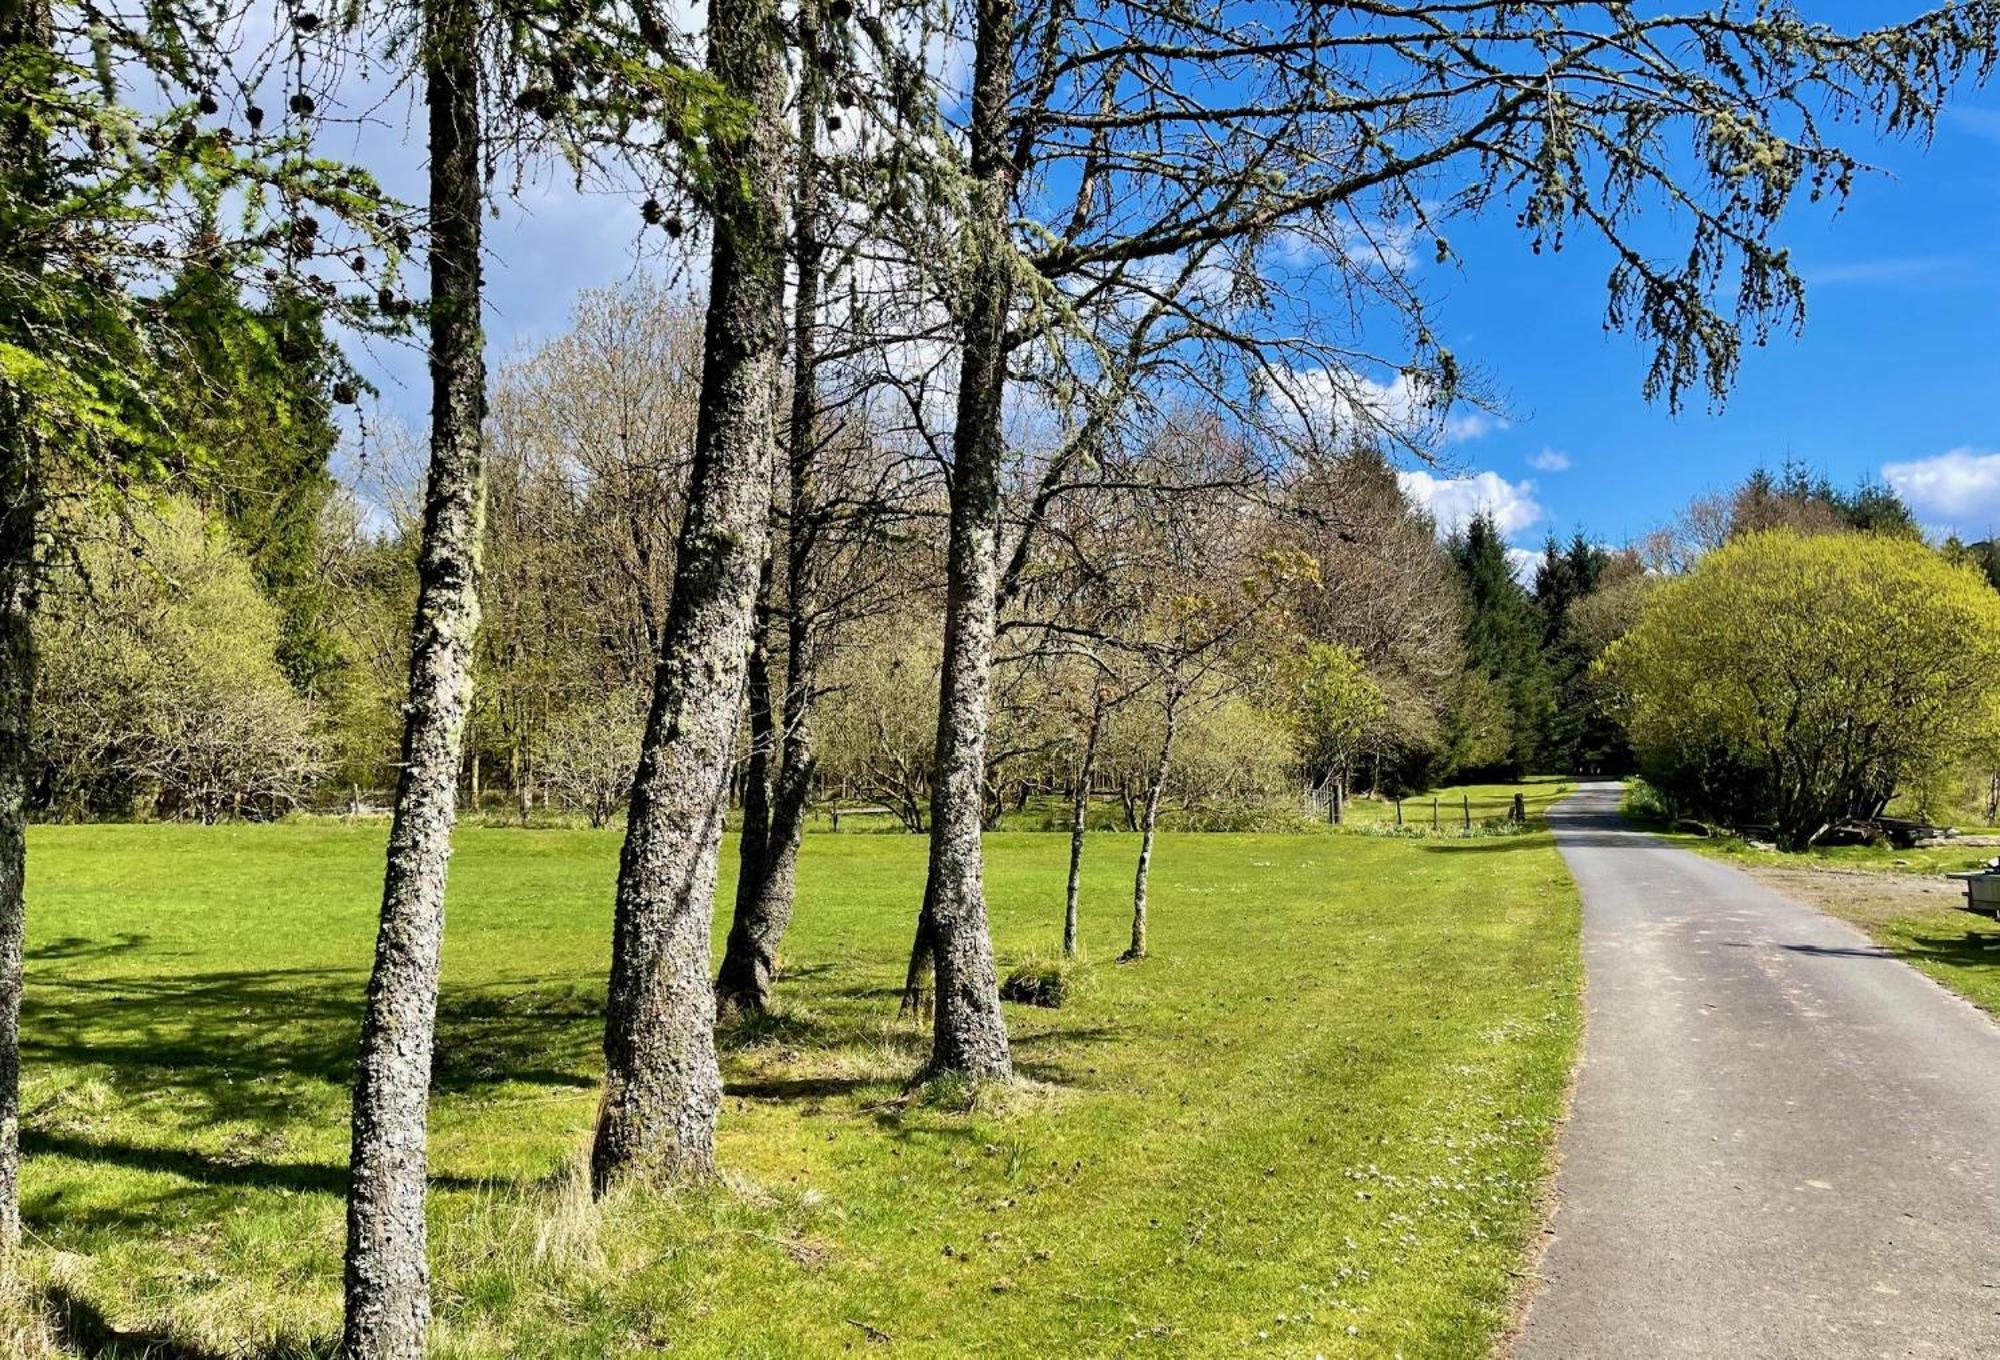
1314 1122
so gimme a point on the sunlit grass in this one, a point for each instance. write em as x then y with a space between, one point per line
1450 807
1315 1121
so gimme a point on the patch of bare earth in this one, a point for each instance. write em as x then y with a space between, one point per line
1869 898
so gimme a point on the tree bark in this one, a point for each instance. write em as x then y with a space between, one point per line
1148 822
388 1303
662 1083
766 884
24 164
923 953
969 1034
1079 811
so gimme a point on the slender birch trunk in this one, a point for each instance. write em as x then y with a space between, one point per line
766 885
1079 811
969 1034
1148 822
662 1082
23 162
388 1305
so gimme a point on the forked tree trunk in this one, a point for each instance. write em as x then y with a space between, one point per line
1149 820
917 976
23 162
1079 811
388 1304
662 1084
969 1034
767 879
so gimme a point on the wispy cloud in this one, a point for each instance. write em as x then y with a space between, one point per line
1890 269
1977 121
1549 460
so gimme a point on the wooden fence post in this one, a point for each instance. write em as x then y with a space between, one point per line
1465 800
1434 812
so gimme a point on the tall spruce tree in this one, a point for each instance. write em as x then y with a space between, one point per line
1503 639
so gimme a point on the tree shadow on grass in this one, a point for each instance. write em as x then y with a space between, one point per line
322 1178
83 1329
1974 949
265 1046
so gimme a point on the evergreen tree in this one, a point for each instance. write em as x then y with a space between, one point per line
1503 639
276 422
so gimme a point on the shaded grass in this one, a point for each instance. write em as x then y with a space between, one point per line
1315 1121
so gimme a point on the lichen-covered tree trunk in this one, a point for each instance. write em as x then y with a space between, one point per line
662 1083
24 24
1149 820
388 1305
969 1034
767 874
1079 812
18 521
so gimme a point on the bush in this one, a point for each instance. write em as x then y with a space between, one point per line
1044 981
161 691
1796 682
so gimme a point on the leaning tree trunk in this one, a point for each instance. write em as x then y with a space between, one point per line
1079 811
24 164
969 1034
387 1270
1148 822
766 882
662 1084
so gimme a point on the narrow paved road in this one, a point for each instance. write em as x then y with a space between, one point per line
1785 1142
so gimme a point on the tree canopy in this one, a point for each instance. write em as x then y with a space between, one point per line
1792 681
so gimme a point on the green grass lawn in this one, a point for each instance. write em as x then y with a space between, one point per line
1316 1121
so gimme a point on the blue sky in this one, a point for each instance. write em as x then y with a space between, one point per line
1898 368
1895 375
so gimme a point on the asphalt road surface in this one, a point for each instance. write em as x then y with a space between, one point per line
1784 1142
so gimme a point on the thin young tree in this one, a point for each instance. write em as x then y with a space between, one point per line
778 781
387 1267
662 1082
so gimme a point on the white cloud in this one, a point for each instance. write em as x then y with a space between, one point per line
1549 460
1524 561
1453 501
1958 490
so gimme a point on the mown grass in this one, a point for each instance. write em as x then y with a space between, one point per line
1314 1122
